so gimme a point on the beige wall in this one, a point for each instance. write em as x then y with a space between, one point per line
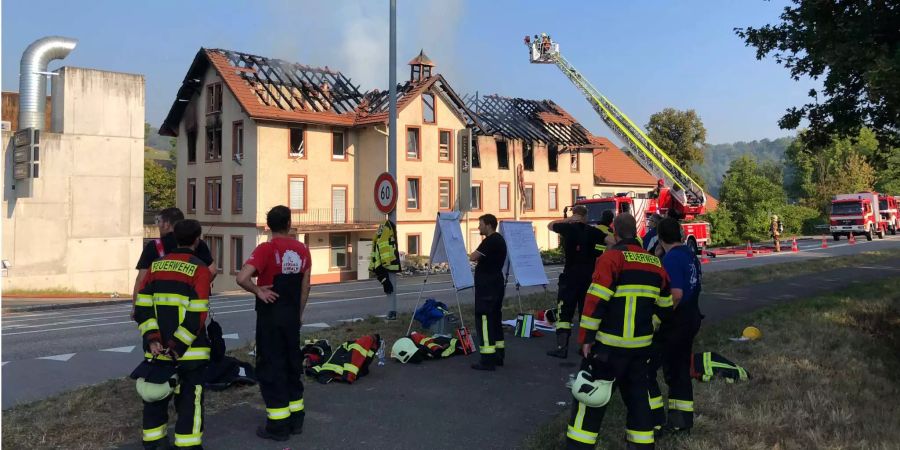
82 227
602 190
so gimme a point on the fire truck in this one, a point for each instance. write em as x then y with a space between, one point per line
676 195
887 205
858 214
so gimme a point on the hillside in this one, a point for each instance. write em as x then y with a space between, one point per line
719 156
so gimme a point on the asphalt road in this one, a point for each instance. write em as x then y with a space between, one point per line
48 352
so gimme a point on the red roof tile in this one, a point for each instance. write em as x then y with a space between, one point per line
613 166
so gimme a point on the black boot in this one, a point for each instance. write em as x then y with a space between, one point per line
562 345
487 362
262 432
501 354
297 422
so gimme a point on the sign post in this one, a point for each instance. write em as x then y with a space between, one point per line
392 135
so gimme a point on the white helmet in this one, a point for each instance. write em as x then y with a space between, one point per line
594 393
405 350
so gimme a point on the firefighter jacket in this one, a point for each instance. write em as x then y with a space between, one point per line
601 247
437 347
349 361
708 365
385 252
628 288
172 305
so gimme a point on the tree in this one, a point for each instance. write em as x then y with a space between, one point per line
854 45
159 186
681 135
751 197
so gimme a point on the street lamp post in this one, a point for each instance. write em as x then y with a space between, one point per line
392 140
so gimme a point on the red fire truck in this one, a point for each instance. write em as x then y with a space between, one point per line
858 214
887 205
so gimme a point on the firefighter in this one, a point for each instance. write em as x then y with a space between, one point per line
170 309
582 244
490 287
675 339
775 230
282 267
629 287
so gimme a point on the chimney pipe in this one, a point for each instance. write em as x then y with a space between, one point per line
32 85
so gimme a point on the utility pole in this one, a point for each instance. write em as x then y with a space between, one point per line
392 141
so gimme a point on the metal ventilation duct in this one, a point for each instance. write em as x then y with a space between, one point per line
32 84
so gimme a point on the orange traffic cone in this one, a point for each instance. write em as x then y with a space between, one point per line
704 259
794 247
749 250
824 242
852 239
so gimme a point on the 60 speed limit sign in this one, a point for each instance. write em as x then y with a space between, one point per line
385 193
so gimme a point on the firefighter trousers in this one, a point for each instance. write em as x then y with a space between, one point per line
573 287
489 320
629 367
188 406
279 370
673 352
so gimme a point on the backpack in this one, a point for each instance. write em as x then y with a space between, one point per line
780 227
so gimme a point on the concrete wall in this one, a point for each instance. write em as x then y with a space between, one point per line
82 227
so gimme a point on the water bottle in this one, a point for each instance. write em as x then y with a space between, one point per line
381 353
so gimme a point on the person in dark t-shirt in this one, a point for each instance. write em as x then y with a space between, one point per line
490 287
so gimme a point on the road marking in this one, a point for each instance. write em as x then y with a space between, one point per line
127 349
4 363
230 336
316 325
64 357
68 328
353 320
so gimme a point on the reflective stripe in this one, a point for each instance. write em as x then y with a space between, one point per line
639 437
184 335
171 300
485 338
564 325
579 416
296 405
599 247
487 349
656 402
619 341
664 302
195 354
143 300
154 434
198 306
188 440
160 357
148 325
361 349
332 367
637 289
501 344
656 322
278 413
351 368
585 437
598 290
198 413
630 312
707 366
681 405
589 323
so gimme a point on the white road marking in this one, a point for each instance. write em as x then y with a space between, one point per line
4 363
353 320
64 357
316 325
230 336
127 349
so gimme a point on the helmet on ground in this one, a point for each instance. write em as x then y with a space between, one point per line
154 392
592 392
405 350
752 333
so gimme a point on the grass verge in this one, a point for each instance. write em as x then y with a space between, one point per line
824 376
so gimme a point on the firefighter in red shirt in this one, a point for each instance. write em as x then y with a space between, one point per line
282 268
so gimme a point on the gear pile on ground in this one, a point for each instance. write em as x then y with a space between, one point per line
346 363
417 347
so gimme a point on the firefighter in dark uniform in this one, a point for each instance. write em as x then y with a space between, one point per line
616 329
282 267
582 244
171 308
490 288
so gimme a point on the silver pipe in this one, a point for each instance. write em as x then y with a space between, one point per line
32 84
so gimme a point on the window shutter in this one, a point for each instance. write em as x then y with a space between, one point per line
297 188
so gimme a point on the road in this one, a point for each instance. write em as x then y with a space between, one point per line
48 352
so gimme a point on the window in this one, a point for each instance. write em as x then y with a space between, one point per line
552 198
214 143
237 194
412 143
214 195
575 194
528 155
214 98
574 160
297 193
298 146
339 251
504 196
445 145
338 149
216 248
191 195
502 155
445 187
412 244
553 157
529 197
237 140
476 196
428 107
192 145
339 204
412 193
476 156
237 254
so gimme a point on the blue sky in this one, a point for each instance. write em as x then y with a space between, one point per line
643 55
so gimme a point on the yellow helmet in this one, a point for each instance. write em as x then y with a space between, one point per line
774 217
752 333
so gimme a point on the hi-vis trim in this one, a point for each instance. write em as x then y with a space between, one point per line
589 323
198 306
188 440
637 289
195 354
148 325
585 437
154 434
361 349
664 302
598 290
639 437
656 402
171 265
171 300
618 341
681 405
144 300
278 413
642 258
184 335
296 405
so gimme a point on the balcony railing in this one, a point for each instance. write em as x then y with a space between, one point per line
337 216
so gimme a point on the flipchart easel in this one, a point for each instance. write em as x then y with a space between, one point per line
523 258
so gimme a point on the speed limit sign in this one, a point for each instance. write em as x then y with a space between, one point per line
385 193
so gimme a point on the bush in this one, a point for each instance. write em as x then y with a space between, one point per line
552 256
723 230
798 219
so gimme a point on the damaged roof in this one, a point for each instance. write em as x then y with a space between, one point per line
534 120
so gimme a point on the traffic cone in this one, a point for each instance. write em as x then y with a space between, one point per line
749 250
824 242
704 259
852 239
794 247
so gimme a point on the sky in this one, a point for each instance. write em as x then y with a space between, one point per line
643 55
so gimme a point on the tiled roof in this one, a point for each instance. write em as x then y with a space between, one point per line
613 166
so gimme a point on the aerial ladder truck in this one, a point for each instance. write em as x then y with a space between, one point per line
676 195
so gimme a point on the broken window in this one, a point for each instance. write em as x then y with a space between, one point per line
444 150
476 157
192 145
553 157
574 161
528 155
428 107
502 155
412 143
214 143
338 148
298 149
214 98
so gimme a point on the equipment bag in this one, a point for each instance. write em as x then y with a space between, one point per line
465 340
524 325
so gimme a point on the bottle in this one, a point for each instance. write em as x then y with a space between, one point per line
381 352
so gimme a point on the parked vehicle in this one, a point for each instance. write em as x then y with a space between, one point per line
858 214
887 205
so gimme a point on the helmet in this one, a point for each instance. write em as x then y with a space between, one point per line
548 315
593 393
774 217
405 350
154 392
752 333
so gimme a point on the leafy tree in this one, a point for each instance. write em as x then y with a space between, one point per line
681 135
751 197
717 158
159 186
724 231
854 45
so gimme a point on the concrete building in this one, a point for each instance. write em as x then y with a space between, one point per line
80 227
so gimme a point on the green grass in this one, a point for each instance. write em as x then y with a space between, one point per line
824 375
